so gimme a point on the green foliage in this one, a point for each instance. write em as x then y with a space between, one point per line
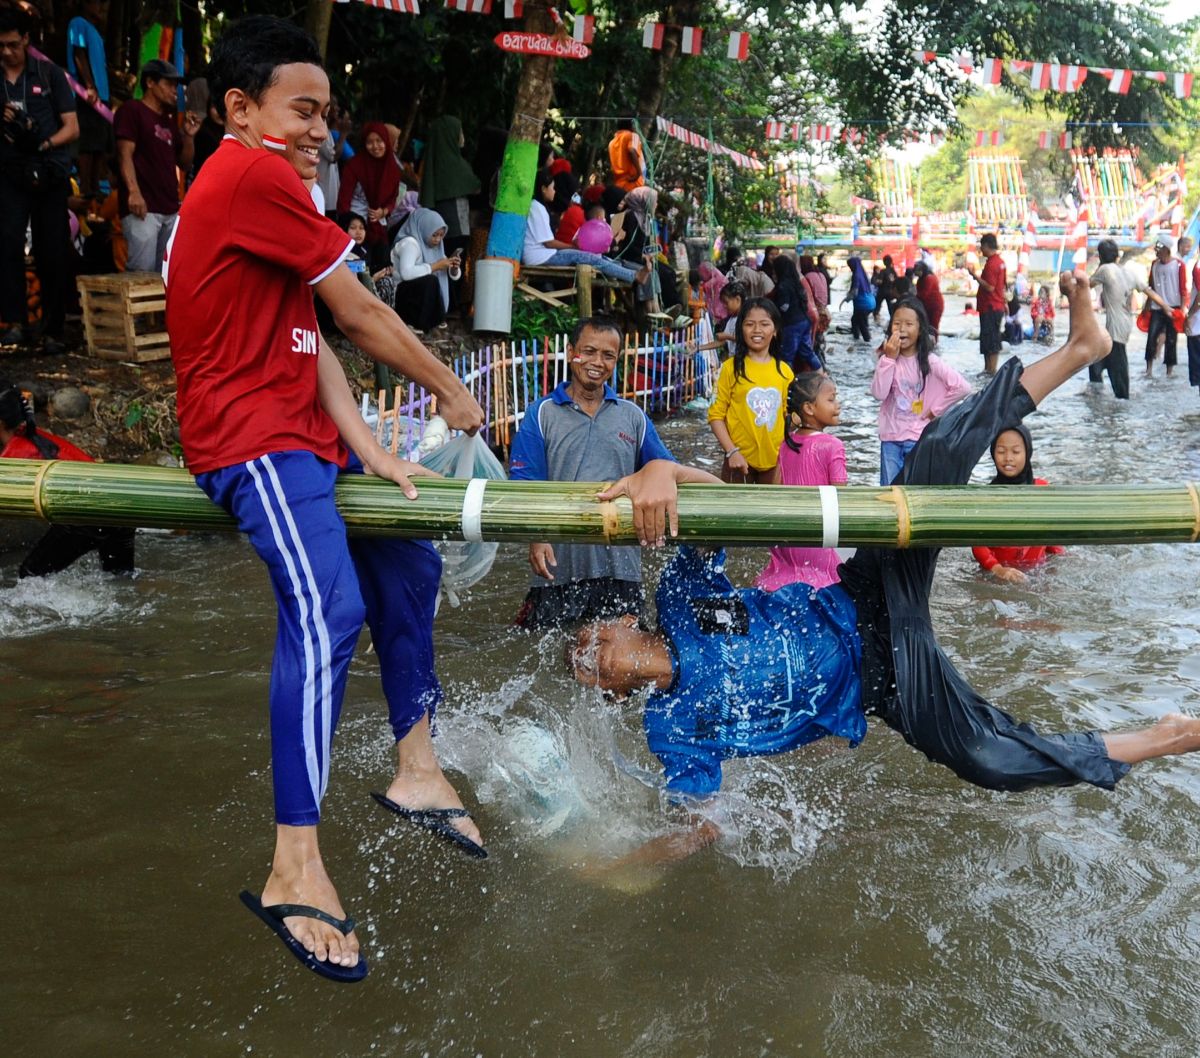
533 319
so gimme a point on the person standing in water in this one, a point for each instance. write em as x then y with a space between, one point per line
991 301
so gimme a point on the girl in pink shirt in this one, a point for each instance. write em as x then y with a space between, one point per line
808 456
914 384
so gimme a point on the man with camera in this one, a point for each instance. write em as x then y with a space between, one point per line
38 122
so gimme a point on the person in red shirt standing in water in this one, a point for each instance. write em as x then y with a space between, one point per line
992 300
20 438
267 421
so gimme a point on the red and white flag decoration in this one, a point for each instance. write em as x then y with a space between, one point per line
404 7
514 8
1028 243
820 133
921 55
1119 81
1066 140
690 38
1183 86
988 139
1067 78
583 29
652 35
781 130
739 46
1079 257
991 70
1039 76
471 7
1043 140
866 203
694 139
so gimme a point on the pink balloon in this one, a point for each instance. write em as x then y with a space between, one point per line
595 236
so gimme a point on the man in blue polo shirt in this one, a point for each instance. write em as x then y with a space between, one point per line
584 432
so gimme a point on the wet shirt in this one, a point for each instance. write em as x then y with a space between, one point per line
155 138
1117 285
559 441
753 408
755 673
241 263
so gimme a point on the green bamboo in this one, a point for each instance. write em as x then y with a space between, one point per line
75 493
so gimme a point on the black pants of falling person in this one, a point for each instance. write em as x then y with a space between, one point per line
907 679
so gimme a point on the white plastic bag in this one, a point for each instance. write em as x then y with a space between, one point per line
464 456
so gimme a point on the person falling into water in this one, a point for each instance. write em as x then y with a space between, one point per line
748 672
267 420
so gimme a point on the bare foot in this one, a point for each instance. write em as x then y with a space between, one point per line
1086 337
419 782
298 877
644 271
1181 734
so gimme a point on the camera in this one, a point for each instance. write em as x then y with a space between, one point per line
21 131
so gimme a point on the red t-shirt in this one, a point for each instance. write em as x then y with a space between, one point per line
996 274
247 248
21 447
1016 557
155 138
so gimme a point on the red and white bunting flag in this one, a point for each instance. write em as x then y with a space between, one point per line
471 7
583 29
988 139
514 8
739 46
404 7
652 35
1154 75
820 133
1067 78
991 69
1065 140
921 55
690 39
1043 140
774 130
964 61
1039 76
937 137
1183 86
867 203
1119 81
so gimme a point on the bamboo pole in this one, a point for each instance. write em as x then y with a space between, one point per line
75 493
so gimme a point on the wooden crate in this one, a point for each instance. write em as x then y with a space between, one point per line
124 316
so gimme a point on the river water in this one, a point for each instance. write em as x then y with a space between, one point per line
861 902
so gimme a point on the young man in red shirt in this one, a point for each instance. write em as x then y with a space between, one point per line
267 420
991 301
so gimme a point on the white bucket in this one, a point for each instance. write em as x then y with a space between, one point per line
493 295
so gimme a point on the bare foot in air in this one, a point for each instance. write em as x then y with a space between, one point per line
1087 339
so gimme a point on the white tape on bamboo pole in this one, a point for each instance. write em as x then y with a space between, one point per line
472 510
830 516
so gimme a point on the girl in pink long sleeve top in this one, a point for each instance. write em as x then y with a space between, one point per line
914 384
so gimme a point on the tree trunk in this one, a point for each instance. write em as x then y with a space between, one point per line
317 16
519 168
651 90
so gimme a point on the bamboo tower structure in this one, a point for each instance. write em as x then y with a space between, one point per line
996 188
77 493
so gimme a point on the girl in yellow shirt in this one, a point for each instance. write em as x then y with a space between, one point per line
747 415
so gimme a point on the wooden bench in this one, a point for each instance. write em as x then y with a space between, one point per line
124 316
573 281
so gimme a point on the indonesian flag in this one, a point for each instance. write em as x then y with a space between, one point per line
1039 76
1119 81
991 69
1065 140
652 35
583 29
1067 78
986 139
689 40
405 7
471 7
921 55
1183 86
1043 140
514 8
739 46
820 133
775 130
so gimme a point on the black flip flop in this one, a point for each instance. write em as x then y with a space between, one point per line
274 915
434 820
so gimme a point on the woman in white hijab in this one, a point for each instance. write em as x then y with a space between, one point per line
422 271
